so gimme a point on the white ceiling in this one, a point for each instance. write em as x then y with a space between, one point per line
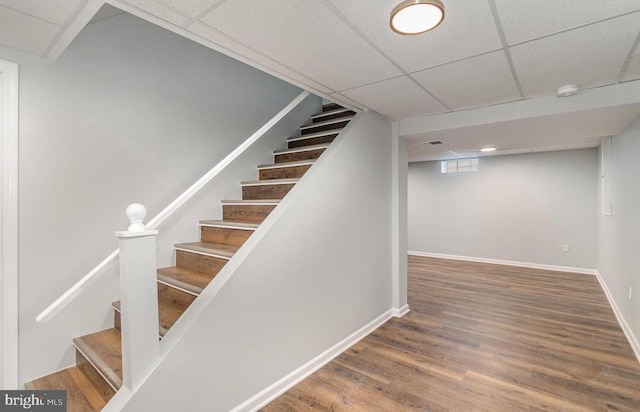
486 52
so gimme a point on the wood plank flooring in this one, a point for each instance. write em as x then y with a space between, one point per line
483 337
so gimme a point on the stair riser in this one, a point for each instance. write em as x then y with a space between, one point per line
294 157
312 141
200 263
224 236
246 213
330 106
265 192
175 297
325 127
283 172
101 385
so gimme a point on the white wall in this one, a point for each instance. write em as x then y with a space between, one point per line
520 208
619 234
319 269
130 112
399 217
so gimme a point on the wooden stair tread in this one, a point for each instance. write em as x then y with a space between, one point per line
291 181
331 112
104 350
229 224
314 135
286 164
330 106
328 122
302 149
248 202
184 278
82 396
224 251
167 315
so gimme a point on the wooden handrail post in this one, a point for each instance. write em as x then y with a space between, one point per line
138 299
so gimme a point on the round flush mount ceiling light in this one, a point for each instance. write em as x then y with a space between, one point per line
568 90
416 16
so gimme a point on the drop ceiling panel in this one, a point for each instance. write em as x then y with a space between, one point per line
21 32
527 20
220 39
56 12
397 98
467 30
304 36
474 82
192 8
159 10
590 56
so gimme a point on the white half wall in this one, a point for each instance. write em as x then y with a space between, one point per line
520 208
619 234
318 270
129 113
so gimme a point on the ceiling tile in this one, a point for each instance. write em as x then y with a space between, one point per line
57 12
159 10
21 32
396 98
590 56
527 20
192 8
304 36
474 82
467 30
220 39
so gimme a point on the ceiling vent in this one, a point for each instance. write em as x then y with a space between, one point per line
430 143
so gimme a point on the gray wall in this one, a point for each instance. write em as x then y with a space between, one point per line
619 234
519 208
129 112
319 270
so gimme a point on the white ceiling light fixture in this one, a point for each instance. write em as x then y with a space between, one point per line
568 90
488 149
416 16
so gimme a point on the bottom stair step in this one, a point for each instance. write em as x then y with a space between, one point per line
104 351
82 396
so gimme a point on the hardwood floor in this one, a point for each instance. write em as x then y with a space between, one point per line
483 337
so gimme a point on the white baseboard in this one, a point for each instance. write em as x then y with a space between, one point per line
400 312
271 392
631 337
506 262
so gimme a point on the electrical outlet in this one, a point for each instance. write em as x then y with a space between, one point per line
630 293
565 248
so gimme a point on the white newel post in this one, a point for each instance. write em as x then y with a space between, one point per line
138 298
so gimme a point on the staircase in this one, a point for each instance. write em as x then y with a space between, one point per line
98 371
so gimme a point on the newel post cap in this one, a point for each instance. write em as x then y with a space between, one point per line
136 212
